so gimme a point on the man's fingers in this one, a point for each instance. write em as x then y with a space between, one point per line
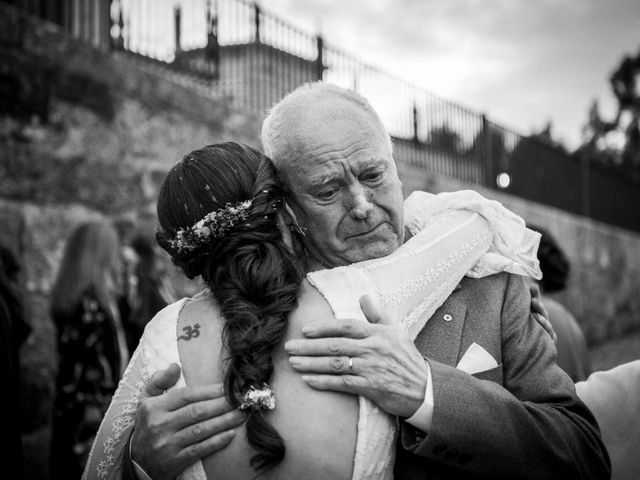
546 324
371 308
198 412
534 290
181 397
208 428
209 446
338 383
162 380
328 347
537 306
331 365
349 328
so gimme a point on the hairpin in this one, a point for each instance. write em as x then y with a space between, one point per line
302 231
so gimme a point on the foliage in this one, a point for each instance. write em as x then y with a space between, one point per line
445 139
616 143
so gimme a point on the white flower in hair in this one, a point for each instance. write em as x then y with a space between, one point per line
258 399
215 224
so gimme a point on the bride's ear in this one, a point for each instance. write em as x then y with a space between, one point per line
290 217
284 229
286 220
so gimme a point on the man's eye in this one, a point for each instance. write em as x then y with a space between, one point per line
372 177
326 194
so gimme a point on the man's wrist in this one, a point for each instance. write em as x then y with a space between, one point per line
423 417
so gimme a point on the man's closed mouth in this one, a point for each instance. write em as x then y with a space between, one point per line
368 232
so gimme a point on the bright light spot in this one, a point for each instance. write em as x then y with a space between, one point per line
503 180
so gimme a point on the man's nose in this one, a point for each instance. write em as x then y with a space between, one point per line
361 207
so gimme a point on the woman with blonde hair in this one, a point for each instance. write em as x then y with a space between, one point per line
92 349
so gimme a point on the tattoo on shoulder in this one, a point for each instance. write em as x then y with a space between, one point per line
190 332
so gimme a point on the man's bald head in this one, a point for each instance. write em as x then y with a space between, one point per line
282 135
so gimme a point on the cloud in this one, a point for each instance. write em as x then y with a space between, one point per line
521 62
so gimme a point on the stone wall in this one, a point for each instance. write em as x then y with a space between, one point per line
84 134
605 261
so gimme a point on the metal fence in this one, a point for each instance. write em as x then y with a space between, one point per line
255 58
236 49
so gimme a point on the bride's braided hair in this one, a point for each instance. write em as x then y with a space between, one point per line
252 274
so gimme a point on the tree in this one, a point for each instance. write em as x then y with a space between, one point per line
616 143
489 146
446 139
545 136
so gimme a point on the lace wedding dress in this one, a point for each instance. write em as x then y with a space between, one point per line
454 235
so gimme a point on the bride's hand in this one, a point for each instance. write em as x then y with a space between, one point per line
374 360
540 313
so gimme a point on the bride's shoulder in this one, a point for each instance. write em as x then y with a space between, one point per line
164 317
200 324
170 316
312 306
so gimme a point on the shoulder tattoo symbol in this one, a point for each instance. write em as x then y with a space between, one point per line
190 332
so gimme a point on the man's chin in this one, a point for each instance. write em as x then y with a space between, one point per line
372 249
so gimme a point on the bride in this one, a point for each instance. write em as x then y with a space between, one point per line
222 217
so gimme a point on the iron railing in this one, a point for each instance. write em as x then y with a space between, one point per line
255 58
236 49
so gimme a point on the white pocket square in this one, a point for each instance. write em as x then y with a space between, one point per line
476 359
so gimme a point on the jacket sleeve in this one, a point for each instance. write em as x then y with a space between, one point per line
533 427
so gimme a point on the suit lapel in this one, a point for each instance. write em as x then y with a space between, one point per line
440 339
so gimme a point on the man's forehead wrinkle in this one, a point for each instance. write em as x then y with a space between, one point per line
322 180
328 151
302 150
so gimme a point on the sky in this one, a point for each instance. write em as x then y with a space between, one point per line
522 62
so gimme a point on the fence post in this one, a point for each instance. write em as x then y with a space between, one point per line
415 123
585 187
177 14
319 58
212 50
487 156
256 19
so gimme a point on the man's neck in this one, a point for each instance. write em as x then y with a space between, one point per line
313 265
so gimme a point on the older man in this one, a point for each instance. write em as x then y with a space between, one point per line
524 422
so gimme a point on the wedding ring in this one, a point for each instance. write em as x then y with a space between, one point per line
350 365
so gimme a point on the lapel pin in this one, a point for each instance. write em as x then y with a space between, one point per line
447 318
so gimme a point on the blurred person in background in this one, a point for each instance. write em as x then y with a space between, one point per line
614 395
573 356
614 398
14 329
92 347
151 293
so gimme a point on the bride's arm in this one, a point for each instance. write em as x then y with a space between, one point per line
106 455
416 279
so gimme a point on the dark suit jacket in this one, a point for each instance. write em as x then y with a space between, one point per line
519 420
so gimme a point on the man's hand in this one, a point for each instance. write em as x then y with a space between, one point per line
373 360
540 312
176 429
